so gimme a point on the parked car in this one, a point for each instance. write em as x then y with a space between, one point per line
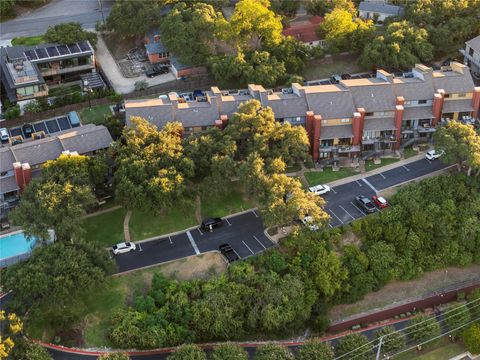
433 154
28 130
74 118
319 189
380 202
308 221
335 79
210 223
156 70
228 252
365 204
4 136
123 248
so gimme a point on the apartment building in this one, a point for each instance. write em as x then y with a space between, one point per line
26 71
345 119
20 163
471 55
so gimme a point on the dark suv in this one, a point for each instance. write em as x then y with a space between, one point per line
228 252
157 70
28 130
365 203
210 223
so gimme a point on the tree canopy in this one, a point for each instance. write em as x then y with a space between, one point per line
315 349
273 352
356 345
69 33
229 351
188 352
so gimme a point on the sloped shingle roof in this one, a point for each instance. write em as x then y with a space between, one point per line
380 7
474 43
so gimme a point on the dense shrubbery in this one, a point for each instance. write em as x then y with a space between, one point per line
284 290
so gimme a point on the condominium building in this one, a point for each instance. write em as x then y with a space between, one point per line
345 119
471 55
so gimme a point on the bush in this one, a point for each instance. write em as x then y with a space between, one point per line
356 345
114 356
33 106
115 97
140 85
273 352
229 352
424 327
12 112
471 338
315 350
188 352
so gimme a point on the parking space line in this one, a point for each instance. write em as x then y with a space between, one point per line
383 176
259 242
370 185
254 213
405 168
333 190
247 247
199 231
358 182
330 225
190 237
356 207
228 222
341 207
140 246
336 216
171 242
236 253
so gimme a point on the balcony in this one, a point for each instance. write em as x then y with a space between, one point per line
32 96
59 71
470 57
341 149
378 139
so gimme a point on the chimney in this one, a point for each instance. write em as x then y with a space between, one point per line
317 125
476 102
156 38
458 67
217 95
438 100
398 124
17 168
224 120
382 74
27 173
219 124
422 72
173 97
357 126
400 100
310 117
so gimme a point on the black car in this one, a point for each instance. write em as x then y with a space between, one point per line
156 70
228 252
28 130
210 223
365 203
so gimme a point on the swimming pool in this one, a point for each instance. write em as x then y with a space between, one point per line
15 247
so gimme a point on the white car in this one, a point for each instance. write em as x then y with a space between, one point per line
433 154
123 248
319 189
4 135
308 221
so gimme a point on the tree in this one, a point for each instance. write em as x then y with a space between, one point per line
273 352
461 144
58 200
382 259
315 349
263 69
253 25
318 7
471 338
400 47
133 17
392 339
337 29
229 351
151 167
189 31
26 349
474 304
69 33
6 7
15 326
188 352
293 53
287 8
114 356
54 277
458 315
424 327
356 345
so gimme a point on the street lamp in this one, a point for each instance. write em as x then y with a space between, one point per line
88 90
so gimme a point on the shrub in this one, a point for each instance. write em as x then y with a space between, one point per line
33 106
12 112
273 352
140 85
471 338
188 352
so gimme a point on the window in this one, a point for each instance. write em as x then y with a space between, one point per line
462 95
369 114
324 121
422 102
204 128
470 52
407 102
345 120
446 96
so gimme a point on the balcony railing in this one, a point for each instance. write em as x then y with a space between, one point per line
32 96
58 71
340 148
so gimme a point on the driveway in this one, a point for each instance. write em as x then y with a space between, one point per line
244 233
36 22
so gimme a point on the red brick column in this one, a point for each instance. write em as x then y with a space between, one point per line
357 126
317 125
219 124
224 119
17 168
27 173
476 102
398 124
309 127
438 100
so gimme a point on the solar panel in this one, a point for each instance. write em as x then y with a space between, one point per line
73 48
63 50
31 55
52 51
84 46
41 53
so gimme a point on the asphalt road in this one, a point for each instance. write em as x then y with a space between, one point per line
244 233
341 200
86 12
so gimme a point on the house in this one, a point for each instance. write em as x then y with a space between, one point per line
20 163
355 116
158 53
303 28
26 71
378 10
472 56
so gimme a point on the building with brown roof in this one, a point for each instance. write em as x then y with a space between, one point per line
304 29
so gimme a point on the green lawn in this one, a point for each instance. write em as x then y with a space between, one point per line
323 69
95 115
293 168
63 90
327 175
144 225
440 350
369 165
28 41
107 228
231 202
409 152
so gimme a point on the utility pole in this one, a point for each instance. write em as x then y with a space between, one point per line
101 9
380 342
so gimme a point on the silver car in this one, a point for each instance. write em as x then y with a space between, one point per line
123 248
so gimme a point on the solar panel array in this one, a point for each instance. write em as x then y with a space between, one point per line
58 50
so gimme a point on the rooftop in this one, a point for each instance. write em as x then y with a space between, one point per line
380 7
304 28
474 43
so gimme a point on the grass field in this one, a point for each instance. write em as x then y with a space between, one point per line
441 350
369 165
409 152
327 175
231 202
63 90
107 228
28 41
324 68
95 115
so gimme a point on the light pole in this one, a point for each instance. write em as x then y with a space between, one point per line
88 90
101 9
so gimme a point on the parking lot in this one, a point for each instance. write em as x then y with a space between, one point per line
49 126
341 204
244 233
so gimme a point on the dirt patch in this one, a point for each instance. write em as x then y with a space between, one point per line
350 238
195 267
402 290
118 46
388 193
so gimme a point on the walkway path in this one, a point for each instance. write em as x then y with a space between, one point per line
126 229
96 213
